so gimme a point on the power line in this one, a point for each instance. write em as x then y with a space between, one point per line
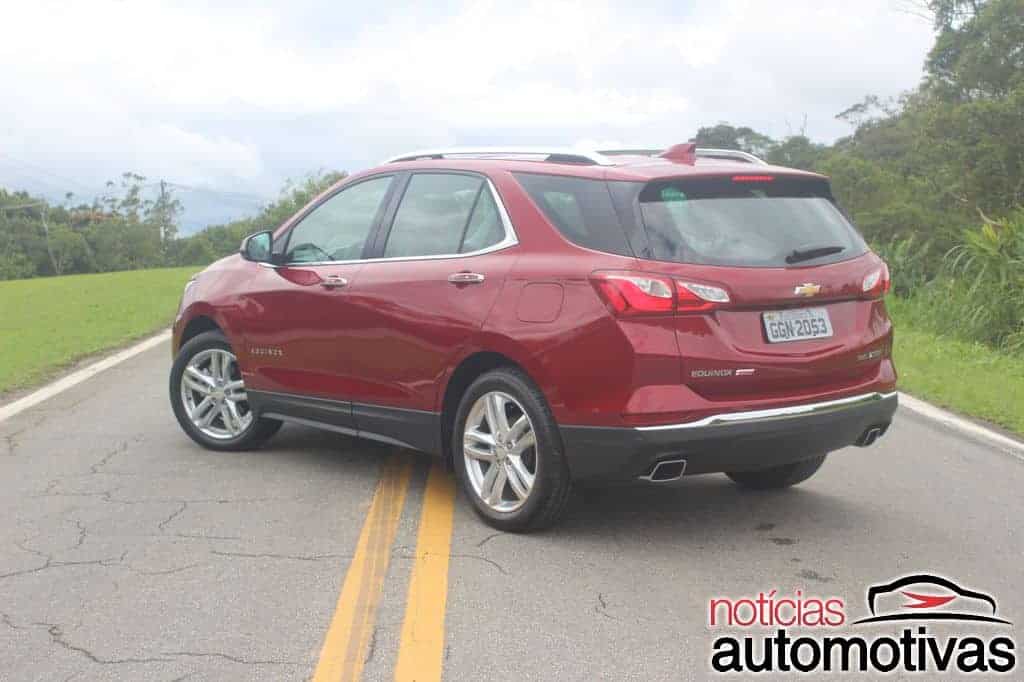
238 196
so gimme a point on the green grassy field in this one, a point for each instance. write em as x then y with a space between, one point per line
48 323
966 377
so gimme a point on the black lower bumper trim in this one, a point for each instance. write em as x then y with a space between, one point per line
732 442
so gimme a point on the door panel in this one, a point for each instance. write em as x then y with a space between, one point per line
413 321
292 321
293 315
422 302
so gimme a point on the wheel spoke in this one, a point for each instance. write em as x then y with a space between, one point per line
235 391
518 428
515 479
523 444
475 436
236 418
496 417
225 368
476 452
196 375
229 422
204 413
193 384
497 487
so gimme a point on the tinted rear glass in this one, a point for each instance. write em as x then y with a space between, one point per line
719 221
581 209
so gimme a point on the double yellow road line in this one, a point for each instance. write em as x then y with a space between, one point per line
421 650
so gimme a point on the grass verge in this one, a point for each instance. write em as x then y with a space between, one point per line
48 323
967 377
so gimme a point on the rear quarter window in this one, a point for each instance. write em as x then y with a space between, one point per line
580 208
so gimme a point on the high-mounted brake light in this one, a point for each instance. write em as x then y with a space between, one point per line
877 282
639 293
753 178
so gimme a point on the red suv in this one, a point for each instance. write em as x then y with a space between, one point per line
540 316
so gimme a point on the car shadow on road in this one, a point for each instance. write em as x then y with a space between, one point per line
711 503
691 508
326 451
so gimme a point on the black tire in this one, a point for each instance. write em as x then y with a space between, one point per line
781 476
552 485
258 431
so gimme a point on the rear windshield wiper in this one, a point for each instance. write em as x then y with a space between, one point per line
812 252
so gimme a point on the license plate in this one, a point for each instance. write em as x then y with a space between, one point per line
797 325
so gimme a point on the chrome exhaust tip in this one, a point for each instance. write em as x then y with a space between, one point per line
870 436
665 471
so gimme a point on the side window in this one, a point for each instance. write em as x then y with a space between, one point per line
485 227
433 215
580 208
338 228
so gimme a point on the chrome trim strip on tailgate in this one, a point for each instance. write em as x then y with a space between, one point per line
777 412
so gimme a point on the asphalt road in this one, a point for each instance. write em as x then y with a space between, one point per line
128 553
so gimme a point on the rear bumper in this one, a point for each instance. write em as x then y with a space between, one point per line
734 441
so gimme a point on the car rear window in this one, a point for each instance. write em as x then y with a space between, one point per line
755 221
581 209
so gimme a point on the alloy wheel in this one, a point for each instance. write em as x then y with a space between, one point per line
214 396
500 450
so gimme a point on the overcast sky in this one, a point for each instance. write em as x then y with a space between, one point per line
237 99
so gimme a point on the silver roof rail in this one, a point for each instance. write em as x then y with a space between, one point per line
729 154
603 157
702 152
552 154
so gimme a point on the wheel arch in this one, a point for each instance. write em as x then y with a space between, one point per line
465 373
196 326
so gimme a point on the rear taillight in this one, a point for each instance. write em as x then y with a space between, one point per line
877 282
638 293
699 297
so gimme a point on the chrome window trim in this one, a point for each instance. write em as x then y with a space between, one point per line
510 239
776 413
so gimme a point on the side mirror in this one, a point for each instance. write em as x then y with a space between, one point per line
258 247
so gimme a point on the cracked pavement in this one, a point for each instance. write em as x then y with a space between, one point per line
128 553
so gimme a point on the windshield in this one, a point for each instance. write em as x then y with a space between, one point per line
756 221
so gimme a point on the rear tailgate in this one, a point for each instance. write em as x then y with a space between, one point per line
798 319
726 353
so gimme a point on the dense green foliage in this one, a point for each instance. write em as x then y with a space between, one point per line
934 179
124 231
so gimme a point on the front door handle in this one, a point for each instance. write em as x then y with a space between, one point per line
465 278
334 282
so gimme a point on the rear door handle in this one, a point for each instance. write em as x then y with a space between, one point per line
334 282
465 278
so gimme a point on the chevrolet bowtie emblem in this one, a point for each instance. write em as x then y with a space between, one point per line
806 289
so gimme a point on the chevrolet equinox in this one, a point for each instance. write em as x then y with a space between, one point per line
541 316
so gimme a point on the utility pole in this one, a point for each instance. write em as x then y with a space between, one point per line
46 233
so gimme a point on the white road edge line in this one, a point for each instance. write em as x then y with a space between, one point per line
1014 447
46 392
78 376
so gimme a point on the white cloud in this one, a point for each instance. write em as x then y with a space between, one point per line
240 97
